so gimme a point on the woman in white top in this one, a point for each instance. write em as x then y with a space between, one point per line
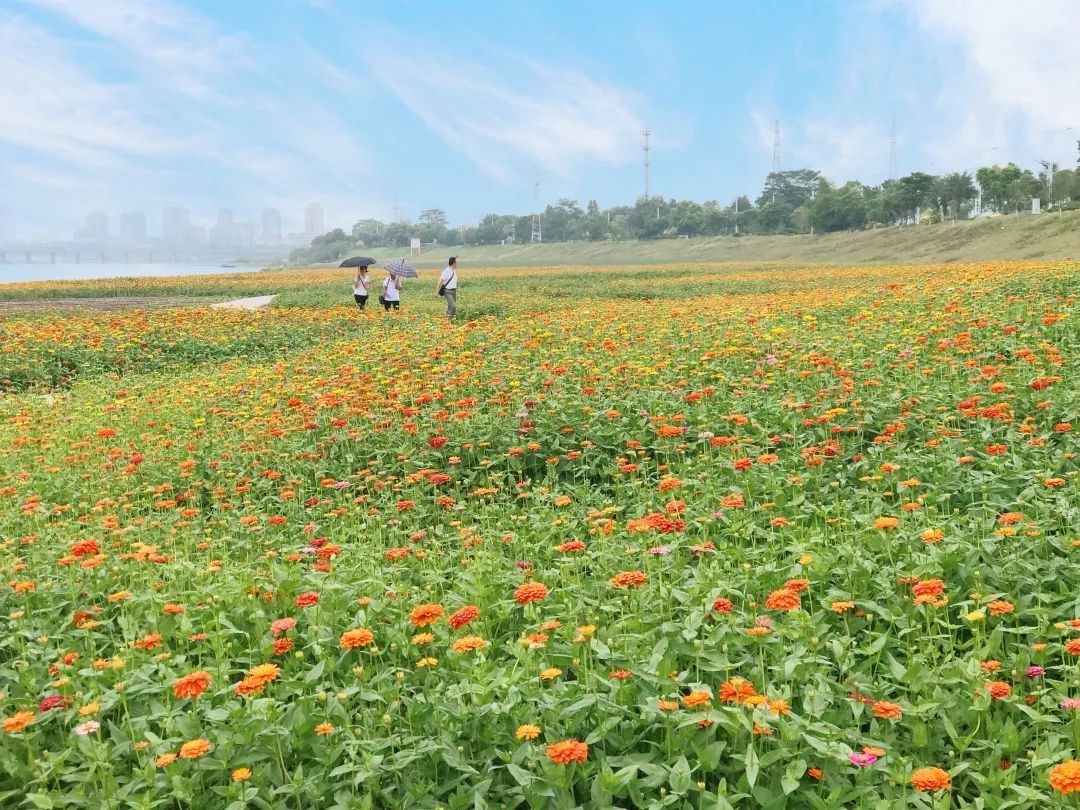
361 286
391 292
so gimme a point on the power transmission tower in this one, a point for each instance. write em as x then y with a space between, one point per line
892 152
536 235
776 148
647 149
397 209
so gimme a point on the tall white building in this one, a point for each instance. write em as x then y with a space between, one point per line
313 220
271 226
96 228
133 227
174 226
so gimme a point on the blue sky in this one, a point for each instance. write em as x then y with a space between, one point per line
137 104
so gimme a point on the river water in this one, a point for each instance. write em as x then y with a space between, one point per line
65 272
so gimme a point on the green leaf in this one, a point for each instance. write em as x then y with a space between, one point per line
521 776
315 672
752 764
679 779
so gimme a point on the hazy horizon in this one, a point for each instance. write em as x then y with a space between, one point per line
119 105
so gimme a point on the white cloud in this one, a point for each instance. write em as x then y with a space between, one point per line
48 104
841 148
1018 76
512 114
171 110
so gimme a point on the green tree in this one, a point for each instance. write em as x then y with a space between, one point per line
956 192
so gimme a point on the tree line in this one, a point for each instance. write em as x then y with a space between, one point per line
791 202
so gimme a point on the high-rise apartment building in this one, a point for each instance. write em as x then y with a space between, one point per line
96 228
133 227
271 227
313 220
175 224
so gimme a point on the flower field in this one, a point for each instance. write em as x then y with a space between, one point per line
711 536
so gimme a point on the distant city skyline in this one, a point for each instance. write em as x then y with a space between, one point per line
179 230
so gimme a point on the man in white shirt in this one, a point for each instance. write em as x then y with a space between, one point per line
448 287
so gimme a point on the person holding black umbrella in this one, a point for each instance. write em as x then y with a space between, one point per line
361 285
362 282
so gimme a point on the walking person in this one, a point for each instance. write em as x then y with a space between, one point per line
361 285
447 287
391 292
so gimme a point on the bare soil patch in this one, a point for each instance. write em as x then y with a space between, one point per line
105 304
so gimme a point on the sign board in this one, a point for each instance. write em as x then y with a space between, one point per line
414 243
1035 205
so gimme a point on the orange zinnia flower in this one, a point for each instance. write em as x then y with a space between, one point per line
886 523
193 749
264 673
927 780
999 690
324 728
999 607
1065 777
358 637
527 731
530 592
628 579
783 599
469 644
192 685
462 616
423 615
568 751
18 721
570 545
737 690
928 587
696 698
886 710
241 774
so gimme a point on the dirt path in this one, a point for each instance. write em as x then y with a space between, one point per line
259 302
105 304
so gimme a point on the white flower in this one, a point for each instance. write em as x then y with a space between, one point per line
89 727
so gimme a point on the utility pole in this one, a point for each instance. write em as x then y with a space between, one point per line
736 216
396 209
776 147
646 134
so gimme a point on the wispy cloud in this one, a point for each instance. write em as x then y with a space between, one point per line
140 102
513 112
842 148
48 104
1017 77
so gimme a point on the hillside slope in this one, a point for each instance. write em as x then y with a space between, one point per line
1049 236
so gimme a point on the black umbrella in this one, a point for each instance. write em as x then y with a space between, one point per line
358 261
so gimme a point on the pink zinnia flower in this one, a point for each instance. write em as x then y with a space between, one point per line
1035 672
1070 703
659 551
862 759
